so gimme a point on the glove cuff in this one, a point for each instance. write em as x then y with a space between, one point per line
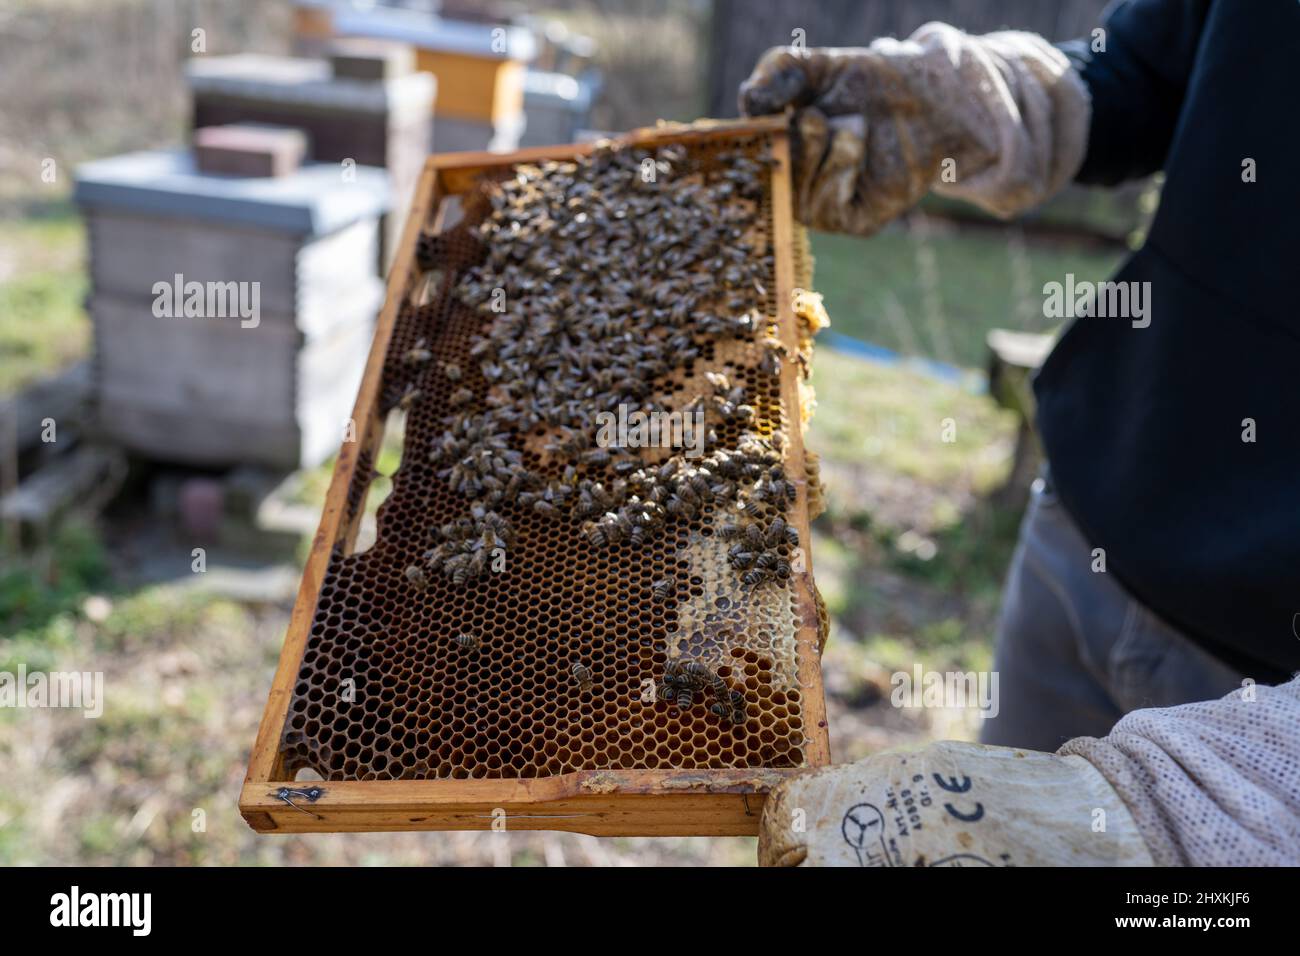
1022 109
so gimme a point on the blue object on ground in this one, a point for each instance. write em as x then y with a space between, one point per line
878 353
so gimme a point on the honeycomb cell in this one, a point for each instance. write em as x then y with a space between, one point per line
386 691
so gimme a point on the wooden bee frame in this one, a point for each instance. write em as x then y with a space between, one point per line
604 802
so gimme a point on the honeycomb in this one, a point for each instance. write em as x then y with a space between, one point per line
424 706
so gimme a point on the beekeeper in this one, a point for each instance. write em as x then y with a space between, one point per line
1152 600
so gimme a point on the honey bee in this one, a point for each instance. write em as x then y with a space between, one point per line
779 533
740 558
417 577
595 534
418 354
409 398
685 698
693 674
680 507
778 487
718 686
582 676
468 642
738 716
663 589
723 490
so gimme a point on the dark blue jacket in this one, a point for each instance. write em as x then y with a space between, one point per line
1144 426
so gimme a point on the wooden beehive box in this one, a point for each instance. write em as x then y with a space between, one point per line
385 122
427 737
220 389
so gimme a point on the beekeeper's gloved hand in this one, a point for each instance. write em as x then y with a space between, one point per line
1000 120
1207 784
951 804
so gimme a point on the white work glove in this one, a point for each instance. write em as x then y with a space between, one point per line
999 120
951 804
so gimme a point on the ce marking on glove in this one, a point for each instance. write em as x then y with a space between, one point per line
953 785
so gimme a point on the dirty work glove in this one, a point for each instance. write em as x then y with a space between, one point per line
999 120
951 804
1214 783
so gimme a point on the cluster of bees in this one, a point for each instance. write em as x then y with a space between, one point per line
726 400
468 546
757 553
684 681
604 279
632 508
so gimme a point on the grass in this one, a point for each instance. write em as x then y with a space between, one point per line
43 325
911 551
937 295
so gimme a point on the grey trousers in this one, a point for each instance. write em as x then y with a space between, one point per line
1075 651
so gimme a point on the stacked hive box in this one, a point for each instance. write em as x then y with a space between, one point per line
385 121
558 106
232 315
480 70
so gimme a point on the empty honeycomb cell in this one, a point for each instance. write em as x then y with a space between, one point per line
426 707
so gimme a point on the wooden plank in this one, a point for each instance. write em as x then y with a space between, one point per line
84 475
129 253
298 282
61 397
598 802
207 391
816 729
195 365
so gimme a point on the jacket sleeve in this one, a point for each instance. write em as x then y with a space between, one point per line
1136 70
1210 784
